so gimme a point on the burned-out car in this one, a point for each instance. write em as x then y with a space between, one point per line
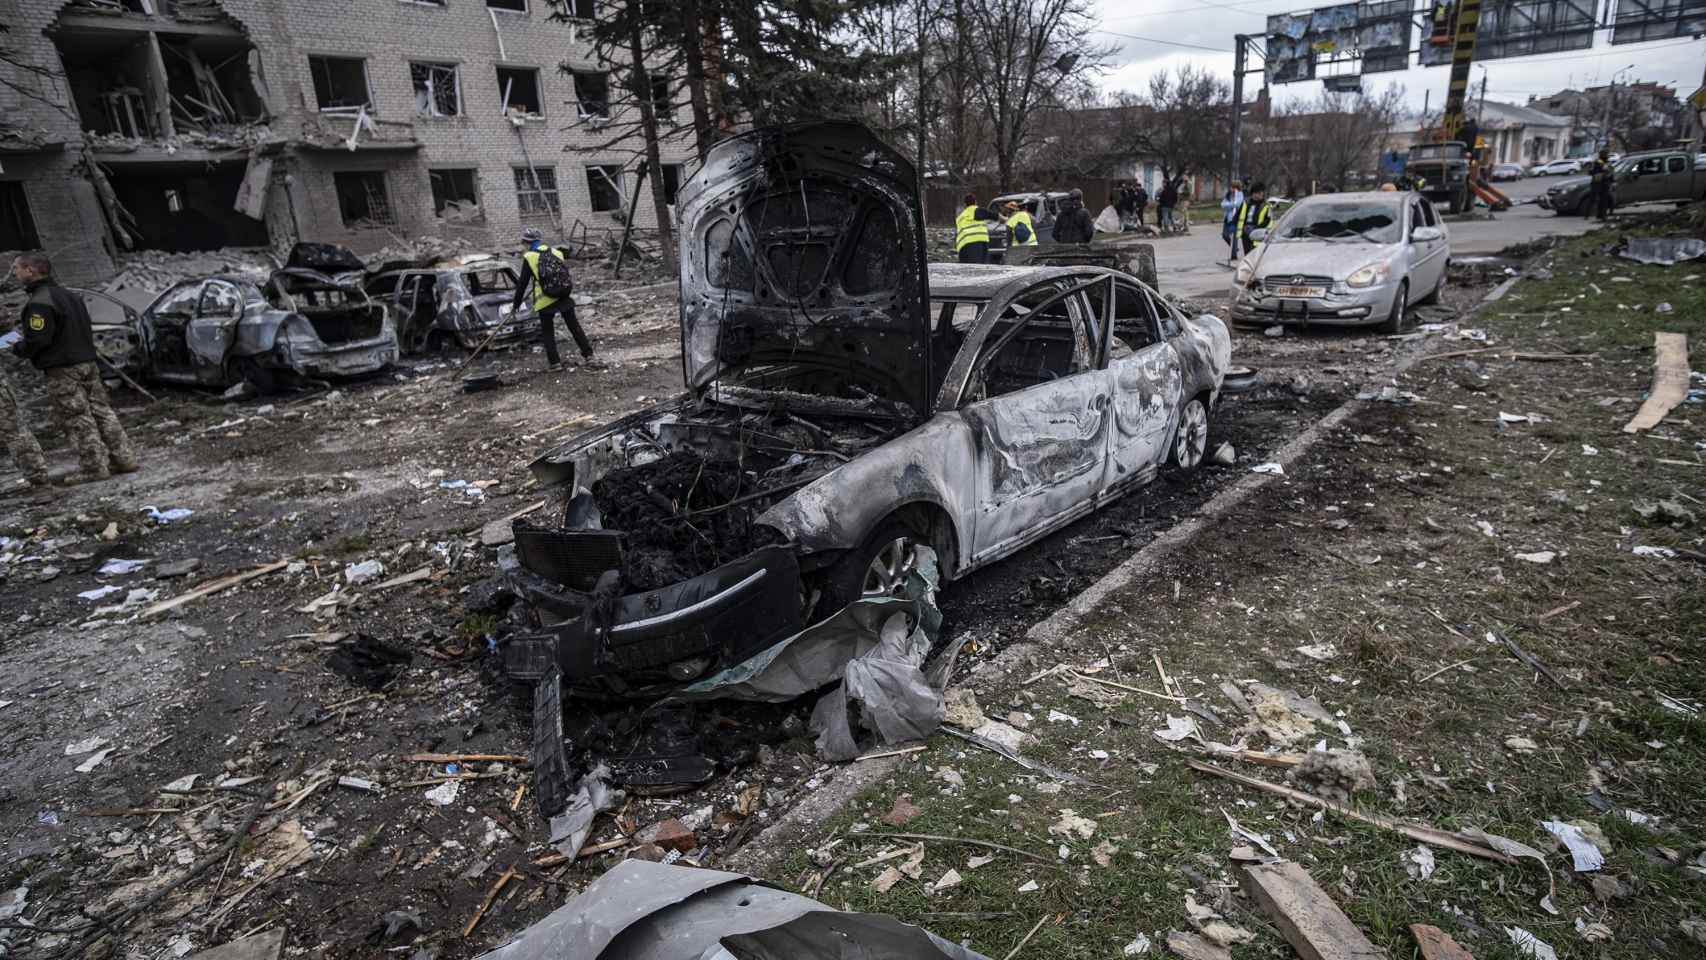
844 406
310 319
460 302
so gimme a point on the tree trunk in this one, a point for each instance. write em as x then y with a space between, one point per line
693 51
921 114
641 82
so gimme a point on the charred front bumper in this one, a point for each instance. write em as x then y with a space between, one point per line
311 357
645 643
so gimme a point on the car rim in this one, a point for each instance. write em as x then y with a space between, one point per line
1193 435
889 569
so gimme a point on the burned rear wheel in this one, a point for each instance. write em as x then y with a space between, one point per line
881 567
1190 440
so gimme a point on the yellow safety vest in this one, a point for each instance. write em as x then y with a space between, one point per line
531 258
969 229
1261 219
1012 225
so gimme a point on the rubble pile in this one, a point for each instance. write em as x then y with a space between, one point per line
424 249
221 137
150 271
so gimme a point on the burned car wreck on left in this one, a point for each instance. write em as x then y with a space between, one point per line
311 319
845 405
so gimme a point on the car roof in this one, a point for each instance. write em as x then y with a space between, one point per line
981 281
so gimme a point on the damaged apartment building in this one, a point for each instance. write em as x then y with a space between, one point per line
182 125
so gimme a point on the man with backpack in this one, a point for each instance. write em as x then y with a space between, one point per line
547 267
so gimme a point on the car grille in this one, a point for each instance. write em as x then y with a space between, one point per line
1297 280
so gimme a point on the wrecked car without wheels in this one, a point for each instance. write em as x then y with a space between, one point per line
844 405
459 302
311 319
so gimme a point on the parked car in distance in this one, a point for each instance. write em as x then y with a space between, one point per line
1506 171
310 319
973 409
1652 176
460 302
1567 165
1345 258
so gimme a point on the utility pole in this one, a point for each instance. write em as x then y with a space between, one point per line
1240 42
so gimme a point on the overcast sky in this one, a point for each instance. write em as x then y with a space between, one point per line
1201 31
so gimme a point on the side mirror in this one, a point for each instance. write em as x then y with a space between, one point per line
1259 235
1426 234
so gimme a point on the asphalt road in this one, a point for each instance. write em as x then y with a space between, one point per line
1195 265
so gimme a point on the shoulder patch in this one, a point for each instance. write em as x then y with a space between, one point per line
38 322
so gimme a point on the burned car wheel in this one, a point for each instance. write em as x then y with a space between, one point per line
1190 440
880 568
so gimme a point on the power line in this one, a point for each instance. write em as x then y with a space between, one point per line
1170 43
1239 8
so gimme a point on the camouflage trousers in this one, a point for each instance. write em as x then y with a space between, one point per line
16 435
80 404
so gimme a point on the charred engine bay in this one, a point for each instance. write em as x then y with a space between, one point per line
694 486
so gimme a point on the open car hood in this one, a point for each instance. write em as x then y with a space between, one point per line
803 245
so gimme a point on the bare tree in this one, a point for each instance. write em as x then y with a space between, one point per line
1184 123
1026 52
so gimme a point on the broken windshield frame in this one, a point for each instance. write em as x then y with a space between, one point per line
1343 220
972 354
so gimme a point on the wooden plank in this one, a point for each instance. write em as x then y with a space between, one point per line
1436 944
1670 381
1309 919
208 589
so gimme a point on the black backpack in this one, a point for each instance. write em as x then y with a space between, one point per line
554 279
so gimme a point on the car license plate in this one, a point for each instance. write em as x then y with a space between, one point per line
1301 291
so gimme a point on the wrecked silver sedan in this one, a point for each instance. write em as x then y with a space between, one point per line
310 320
460 302
844 406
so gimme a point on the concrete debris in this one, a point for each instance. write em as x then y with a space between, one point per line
1593 932
1418 863
1334 774
1071 824
901 811
1192 946
1138 946
960 709
1529 945
359 573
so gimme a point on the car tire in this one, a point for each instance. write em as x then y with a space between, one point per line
1394 322
876 568
1189 445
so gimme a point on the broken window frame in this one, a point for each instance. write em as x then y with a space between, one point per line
522 10
506 92
581 9
386 216
434 104
958 386
599 177
676 172
314 61
19 230
664 108
442 198
537 200
589 107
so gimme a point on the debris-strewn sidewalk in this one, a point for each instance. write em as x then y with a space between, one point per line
1449 665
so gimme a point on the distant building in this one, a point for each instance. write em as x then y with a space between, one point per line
1517 134
1645 114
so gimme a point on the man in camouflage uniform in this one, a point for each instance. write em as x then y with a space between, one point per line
60 340
15 433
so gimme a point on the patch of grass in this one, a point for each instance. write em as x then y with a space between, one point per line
352 543
476 625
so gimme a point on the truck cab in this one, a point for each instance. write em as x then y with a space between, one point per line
1440 172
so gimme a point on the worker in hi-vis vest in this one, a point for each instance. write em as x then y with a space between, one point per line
552 287
1253 214
1019 225
971 234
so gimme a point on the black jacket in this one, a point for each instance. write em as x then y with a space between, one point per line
56 327
1169 195
1073 224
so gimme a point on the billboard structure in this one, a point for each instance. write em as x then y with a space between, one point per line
1636 21
1354 37
1519 28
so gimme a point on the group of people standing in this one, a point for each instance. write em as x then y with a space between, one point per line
57 337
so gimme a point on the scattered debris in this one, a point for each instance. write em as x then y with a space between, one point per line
1662 251
1194 947
1071 824
1585 856
1436 944
1670 381
359 573
1138 946
1418 863
1529 945
1539 556
1271 468
1308 919
902 811
1593 932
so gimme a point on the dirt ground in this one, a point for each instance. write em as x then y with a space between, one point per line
365 838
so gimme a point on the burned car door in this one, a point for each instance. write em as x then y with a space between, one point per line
218 311
165 331
1037 402
1148 383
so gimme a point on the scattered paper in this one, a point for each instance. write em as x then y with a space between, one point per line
1178 728
1592 932
85 746
886 880
1419 863
1055 716
1269 468
948 881
1514 848
95 759
1485 528
1586 856
1530 945
182 784
1137 947
1539 556
445 793
1319 651
1664 553
973 863
116 567
1029 886
100 592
